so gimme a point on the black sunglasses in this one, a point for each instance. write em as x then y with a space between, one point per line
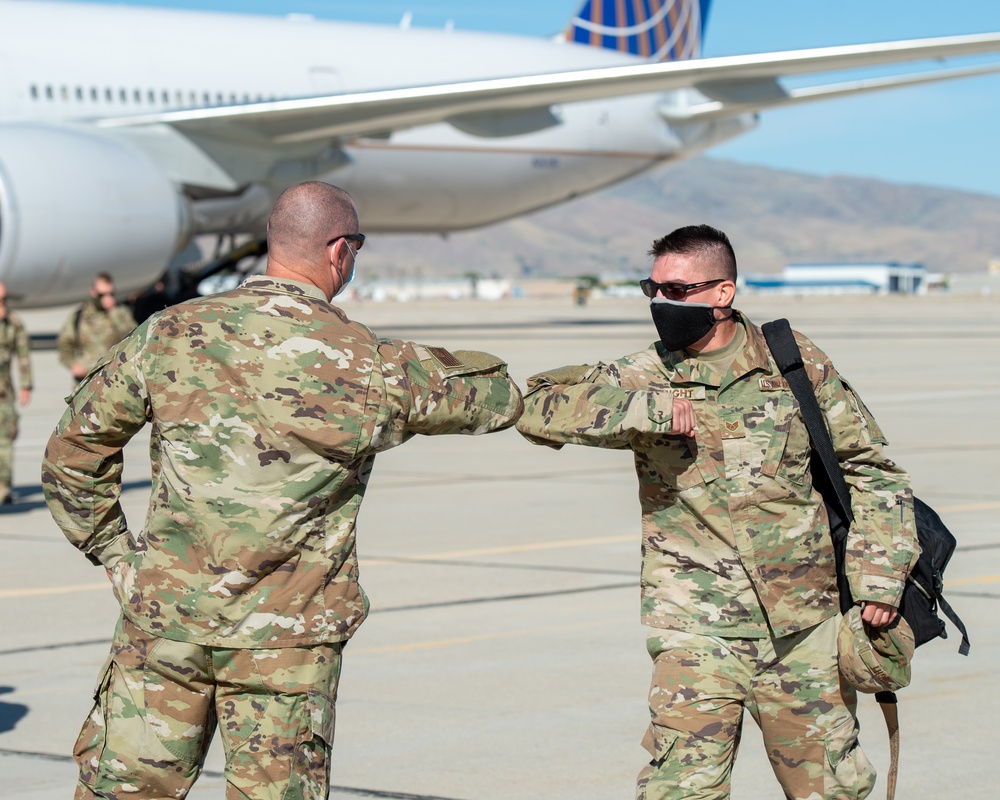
357 238
672 290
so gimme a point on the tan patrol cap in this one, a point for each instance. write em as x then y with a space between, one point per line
874 659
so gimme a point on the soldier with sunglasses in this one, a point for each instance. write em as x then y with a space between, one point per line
738 576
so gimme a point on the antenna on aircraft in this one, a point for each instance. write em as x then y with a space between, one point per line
404 23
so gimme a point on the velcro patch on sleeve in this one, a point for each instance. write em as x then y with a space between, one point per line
446 357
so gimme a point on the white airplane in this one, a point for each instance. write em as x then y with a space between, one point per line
124 132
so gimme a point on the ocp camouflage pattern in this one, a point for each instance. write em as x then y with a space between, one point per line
701 688
90 332
735 537
155 709
268 405
15 350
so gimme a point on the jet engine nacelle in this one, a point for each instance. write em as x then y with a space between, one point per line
73 204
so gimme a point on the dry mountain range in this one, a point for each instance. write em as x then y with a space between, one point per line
773 217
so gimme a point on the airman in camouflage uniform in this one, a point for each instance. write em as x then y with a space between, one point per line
14 347
93 328
738 578
268 406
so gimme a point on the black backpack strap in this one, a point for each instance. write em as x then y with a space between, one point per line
945 606
827 477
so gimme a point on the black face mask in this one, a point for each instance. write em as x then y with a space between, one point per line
681 324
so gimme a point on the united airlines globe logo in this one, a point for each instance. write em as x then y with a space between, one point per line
665 30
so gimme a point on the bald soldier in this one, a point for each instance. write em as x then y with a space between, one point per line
267 406
14 349
738 578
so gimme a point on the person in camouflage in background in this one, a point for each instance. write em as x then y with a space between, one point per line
738 577
268 406
14 347
93 328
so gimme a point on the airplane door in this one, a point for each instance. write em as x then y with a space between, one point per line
325 79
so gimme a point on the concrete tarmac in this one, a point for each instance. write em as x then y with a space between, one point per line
504 658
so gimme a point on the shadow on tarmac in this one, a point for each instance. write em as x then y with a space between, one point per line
10 713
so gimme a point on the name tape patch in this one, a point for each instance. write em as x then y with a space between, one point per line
694 393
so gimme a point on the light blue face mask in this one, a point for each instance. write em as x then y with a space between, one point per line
350 277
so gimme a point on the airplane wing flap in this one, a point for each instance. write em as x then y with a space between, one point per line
755 91
735 102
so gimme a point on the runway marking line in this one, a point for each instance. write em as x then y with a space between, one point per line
519 548
971 581
44 590
458 640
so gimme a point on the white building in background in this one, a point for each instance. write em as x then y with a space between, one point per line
409 290
889 277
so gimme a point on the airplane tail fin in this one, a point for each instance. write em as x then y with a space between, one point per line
663 30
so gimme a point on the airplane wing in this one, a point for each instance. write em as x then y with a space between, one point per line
734 84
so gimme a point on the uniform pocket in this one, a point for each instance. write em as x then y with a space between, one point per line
849 773
92 741
322 715
788 451
659 741
311 769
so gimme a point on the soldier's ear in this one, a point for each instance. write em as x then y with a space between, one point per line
727 293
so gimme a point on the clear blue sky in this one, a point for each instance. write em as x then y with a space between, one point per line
942 135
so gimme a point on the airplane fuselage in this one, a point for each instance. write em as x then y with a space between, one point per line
75 64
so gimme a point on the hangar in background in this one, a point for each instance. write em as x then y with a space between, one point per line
888 277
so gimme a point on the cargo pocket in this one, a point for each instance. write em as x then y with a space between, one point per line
849 774
659 741
90 745
311 770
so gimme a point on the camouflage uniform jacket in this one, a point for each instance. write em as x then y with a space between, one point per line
14 345
267 407
90 332
735 537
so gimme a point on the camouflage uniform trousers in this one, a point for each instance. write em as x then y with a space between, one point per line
8 432
158 702
792 688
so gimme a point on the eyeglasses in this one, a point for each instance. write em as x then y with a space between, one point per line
671 289
357 238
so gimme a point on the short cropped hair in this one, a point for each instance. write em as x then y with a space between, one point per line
305 216
701 239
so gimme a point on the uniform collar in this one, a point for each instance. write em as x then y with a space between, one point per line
284 286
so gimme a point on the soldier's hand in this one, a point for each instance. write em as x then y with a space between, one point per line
25 397
78 371
878 615
682 418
